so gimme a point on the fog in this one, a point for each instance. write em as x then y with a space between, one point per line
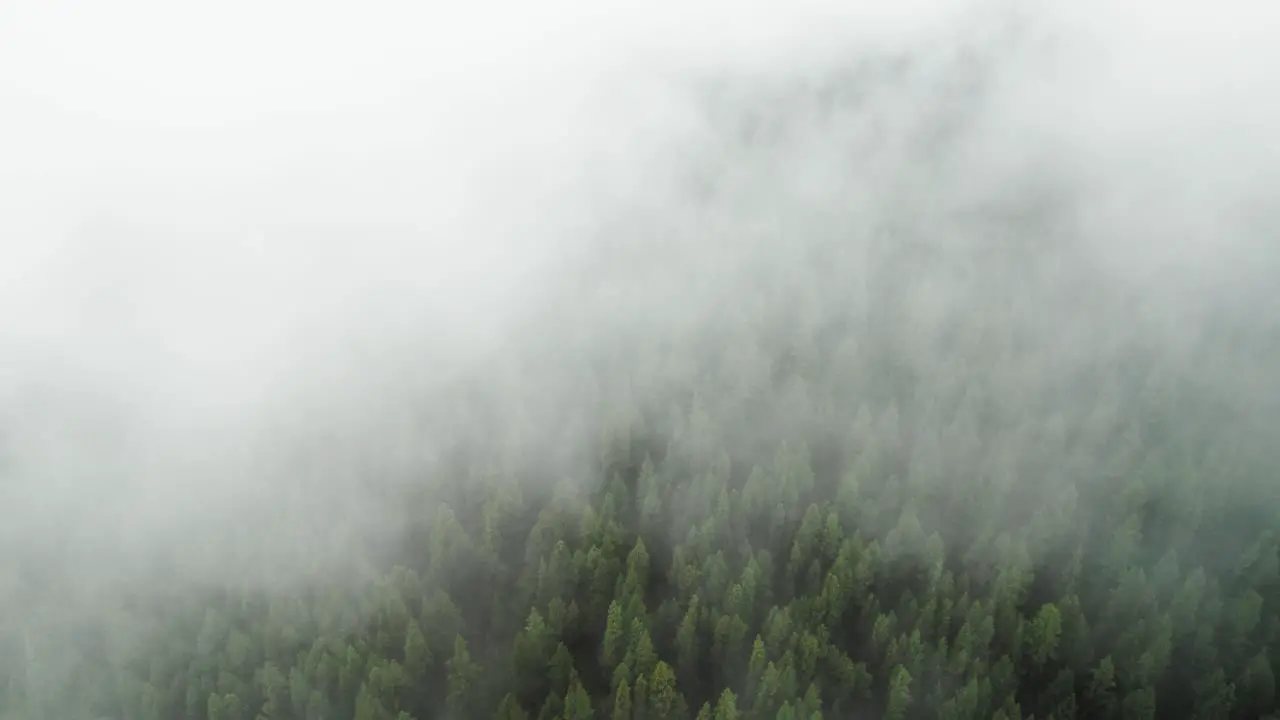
233 231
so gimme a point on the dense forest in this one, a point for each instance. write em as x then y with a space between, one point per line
777 458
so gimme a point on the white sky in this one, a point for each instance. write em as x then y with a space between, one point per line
199 200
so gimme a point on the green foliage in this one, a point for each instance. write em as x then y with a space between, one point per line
922 553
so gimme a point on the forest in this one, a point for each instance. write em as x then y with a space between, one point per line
775 458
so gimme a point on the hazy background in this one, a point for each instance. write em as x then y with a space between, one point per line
241 242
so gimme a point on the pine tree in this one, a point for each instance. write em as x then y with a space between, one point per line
463 674
899 694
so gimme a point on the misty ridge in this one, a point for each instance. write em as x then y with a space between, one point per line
628 361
